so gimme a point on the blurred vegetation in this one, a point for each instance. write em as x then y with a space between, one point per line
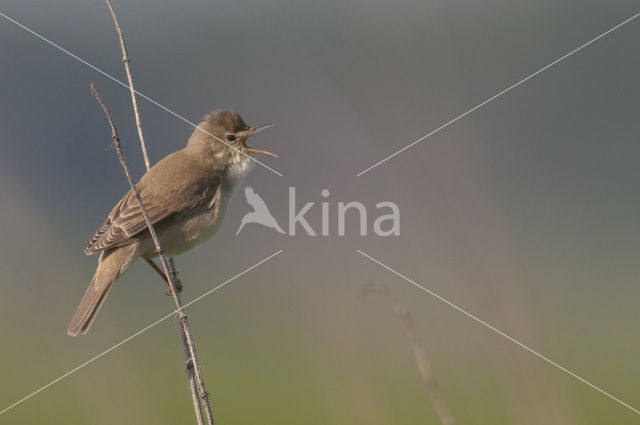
524 213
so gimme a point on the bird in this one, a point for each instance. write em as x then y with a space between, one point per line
260 213
186 195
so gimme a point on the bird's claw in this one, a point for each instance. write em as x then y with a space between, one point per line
178 287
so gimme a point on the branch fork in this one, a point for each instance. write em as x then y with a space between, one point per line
168 272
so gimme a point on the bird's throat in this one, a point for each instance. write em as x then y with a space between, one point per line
238 169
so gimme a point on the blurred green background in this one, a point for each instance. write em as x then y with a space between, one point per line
525 213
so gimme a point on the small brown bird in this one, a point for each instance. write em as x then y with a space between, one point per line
186 195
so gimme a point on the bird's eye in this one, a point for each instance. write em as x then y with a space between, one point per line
231 137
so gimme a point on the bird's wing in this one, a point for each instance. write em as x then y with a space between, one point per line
166 199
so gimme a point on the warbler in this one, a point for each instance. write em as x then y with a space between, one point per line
186 195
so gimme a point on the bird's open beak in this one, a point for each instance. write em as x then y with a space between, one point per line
251 132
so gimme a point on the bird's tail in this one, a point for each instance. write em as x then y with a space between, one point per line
111 265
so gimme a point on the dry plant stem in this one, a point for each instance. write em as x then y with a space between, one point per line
155 267
202 392
420 355
193 386
197 405
158 270
126 60
422 361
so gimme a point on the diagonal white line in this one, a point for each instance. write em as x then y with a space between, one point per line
135 335
498 331
95 68
499 94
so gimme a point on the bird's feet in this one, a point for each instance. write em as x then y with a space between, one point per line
178 286
176 280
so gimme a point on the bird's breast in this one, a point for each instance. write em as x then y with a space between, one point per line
199 227
192 230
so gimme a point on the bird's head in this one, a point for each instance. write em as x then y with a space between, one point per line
225 132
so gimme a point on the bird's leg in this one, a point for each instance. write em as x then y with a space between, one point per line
155 267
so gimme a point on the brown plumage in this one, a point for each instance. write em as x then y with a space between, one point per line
186 196
166 195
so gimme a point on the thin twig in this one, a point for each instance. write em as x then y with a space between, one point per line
126 60
420 355
155 267
422 361
193 386
204 396
158 270
197 404
187 349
